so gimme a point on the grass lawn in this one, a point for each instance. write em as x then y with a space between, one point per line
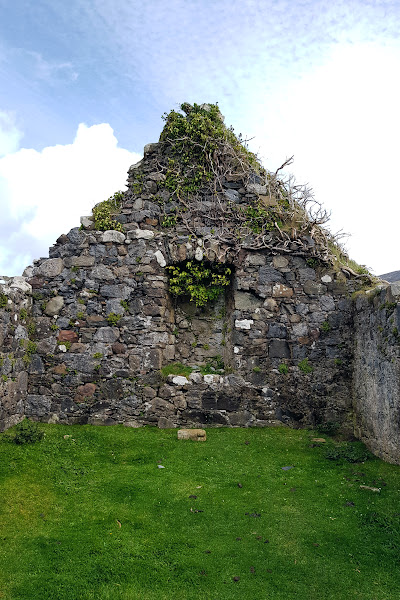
93 517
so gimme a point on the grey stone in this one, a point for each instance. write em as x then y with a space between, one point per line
247 302
113 236
54 306
115 291
78 261
107 334
179 380
21 284
327 303
243 323
307 275
395 289
256 188
37 405
326 279
277 331
141 234
100 272
114 306
150 148
232 196
280 262
50 267
300 329
76 236
160 258
269 275
313 289
87 222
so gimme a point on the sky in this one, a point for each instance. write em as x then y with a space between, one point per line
83 86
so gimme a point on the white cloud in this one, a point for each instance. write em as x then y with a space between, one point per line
44 193
10 135
342 124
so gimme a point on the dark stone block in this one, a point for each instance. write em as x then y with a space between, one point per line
277 331
76 236
227 402
268 275
279 349
209 401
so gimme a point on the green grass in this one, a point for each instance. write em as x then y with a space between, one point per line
93 517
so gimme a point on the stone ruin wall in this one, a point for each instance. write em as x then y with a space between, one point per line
295 347
376 376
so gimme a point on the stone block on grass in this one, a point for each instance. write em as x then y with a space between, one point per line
197 435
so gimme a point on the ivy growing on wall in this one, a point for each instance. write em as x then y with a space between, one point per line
202 282
104 211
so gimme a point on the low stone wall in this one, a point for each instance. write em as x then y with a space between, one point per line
15 329
376 376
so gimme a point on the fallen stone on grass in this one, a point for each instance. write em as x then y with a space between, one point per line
198 435
371 489
319 440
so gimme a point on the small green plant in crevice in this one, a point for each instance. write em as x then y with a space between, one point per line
29 346
104 211
202 281
4 378
313 263
305 366
169 221
283 369
176 369
389 306
113 319
54 327
325 327
31 328
125 304
80 315
214 365
137 184
27 432
23 314
256 369
97 355
3 300
338 362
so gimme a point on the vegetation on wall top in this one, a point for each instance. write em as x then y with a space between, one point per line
202 155
104 211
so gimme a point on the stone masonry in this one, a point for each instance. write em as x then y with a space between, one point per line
85 333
